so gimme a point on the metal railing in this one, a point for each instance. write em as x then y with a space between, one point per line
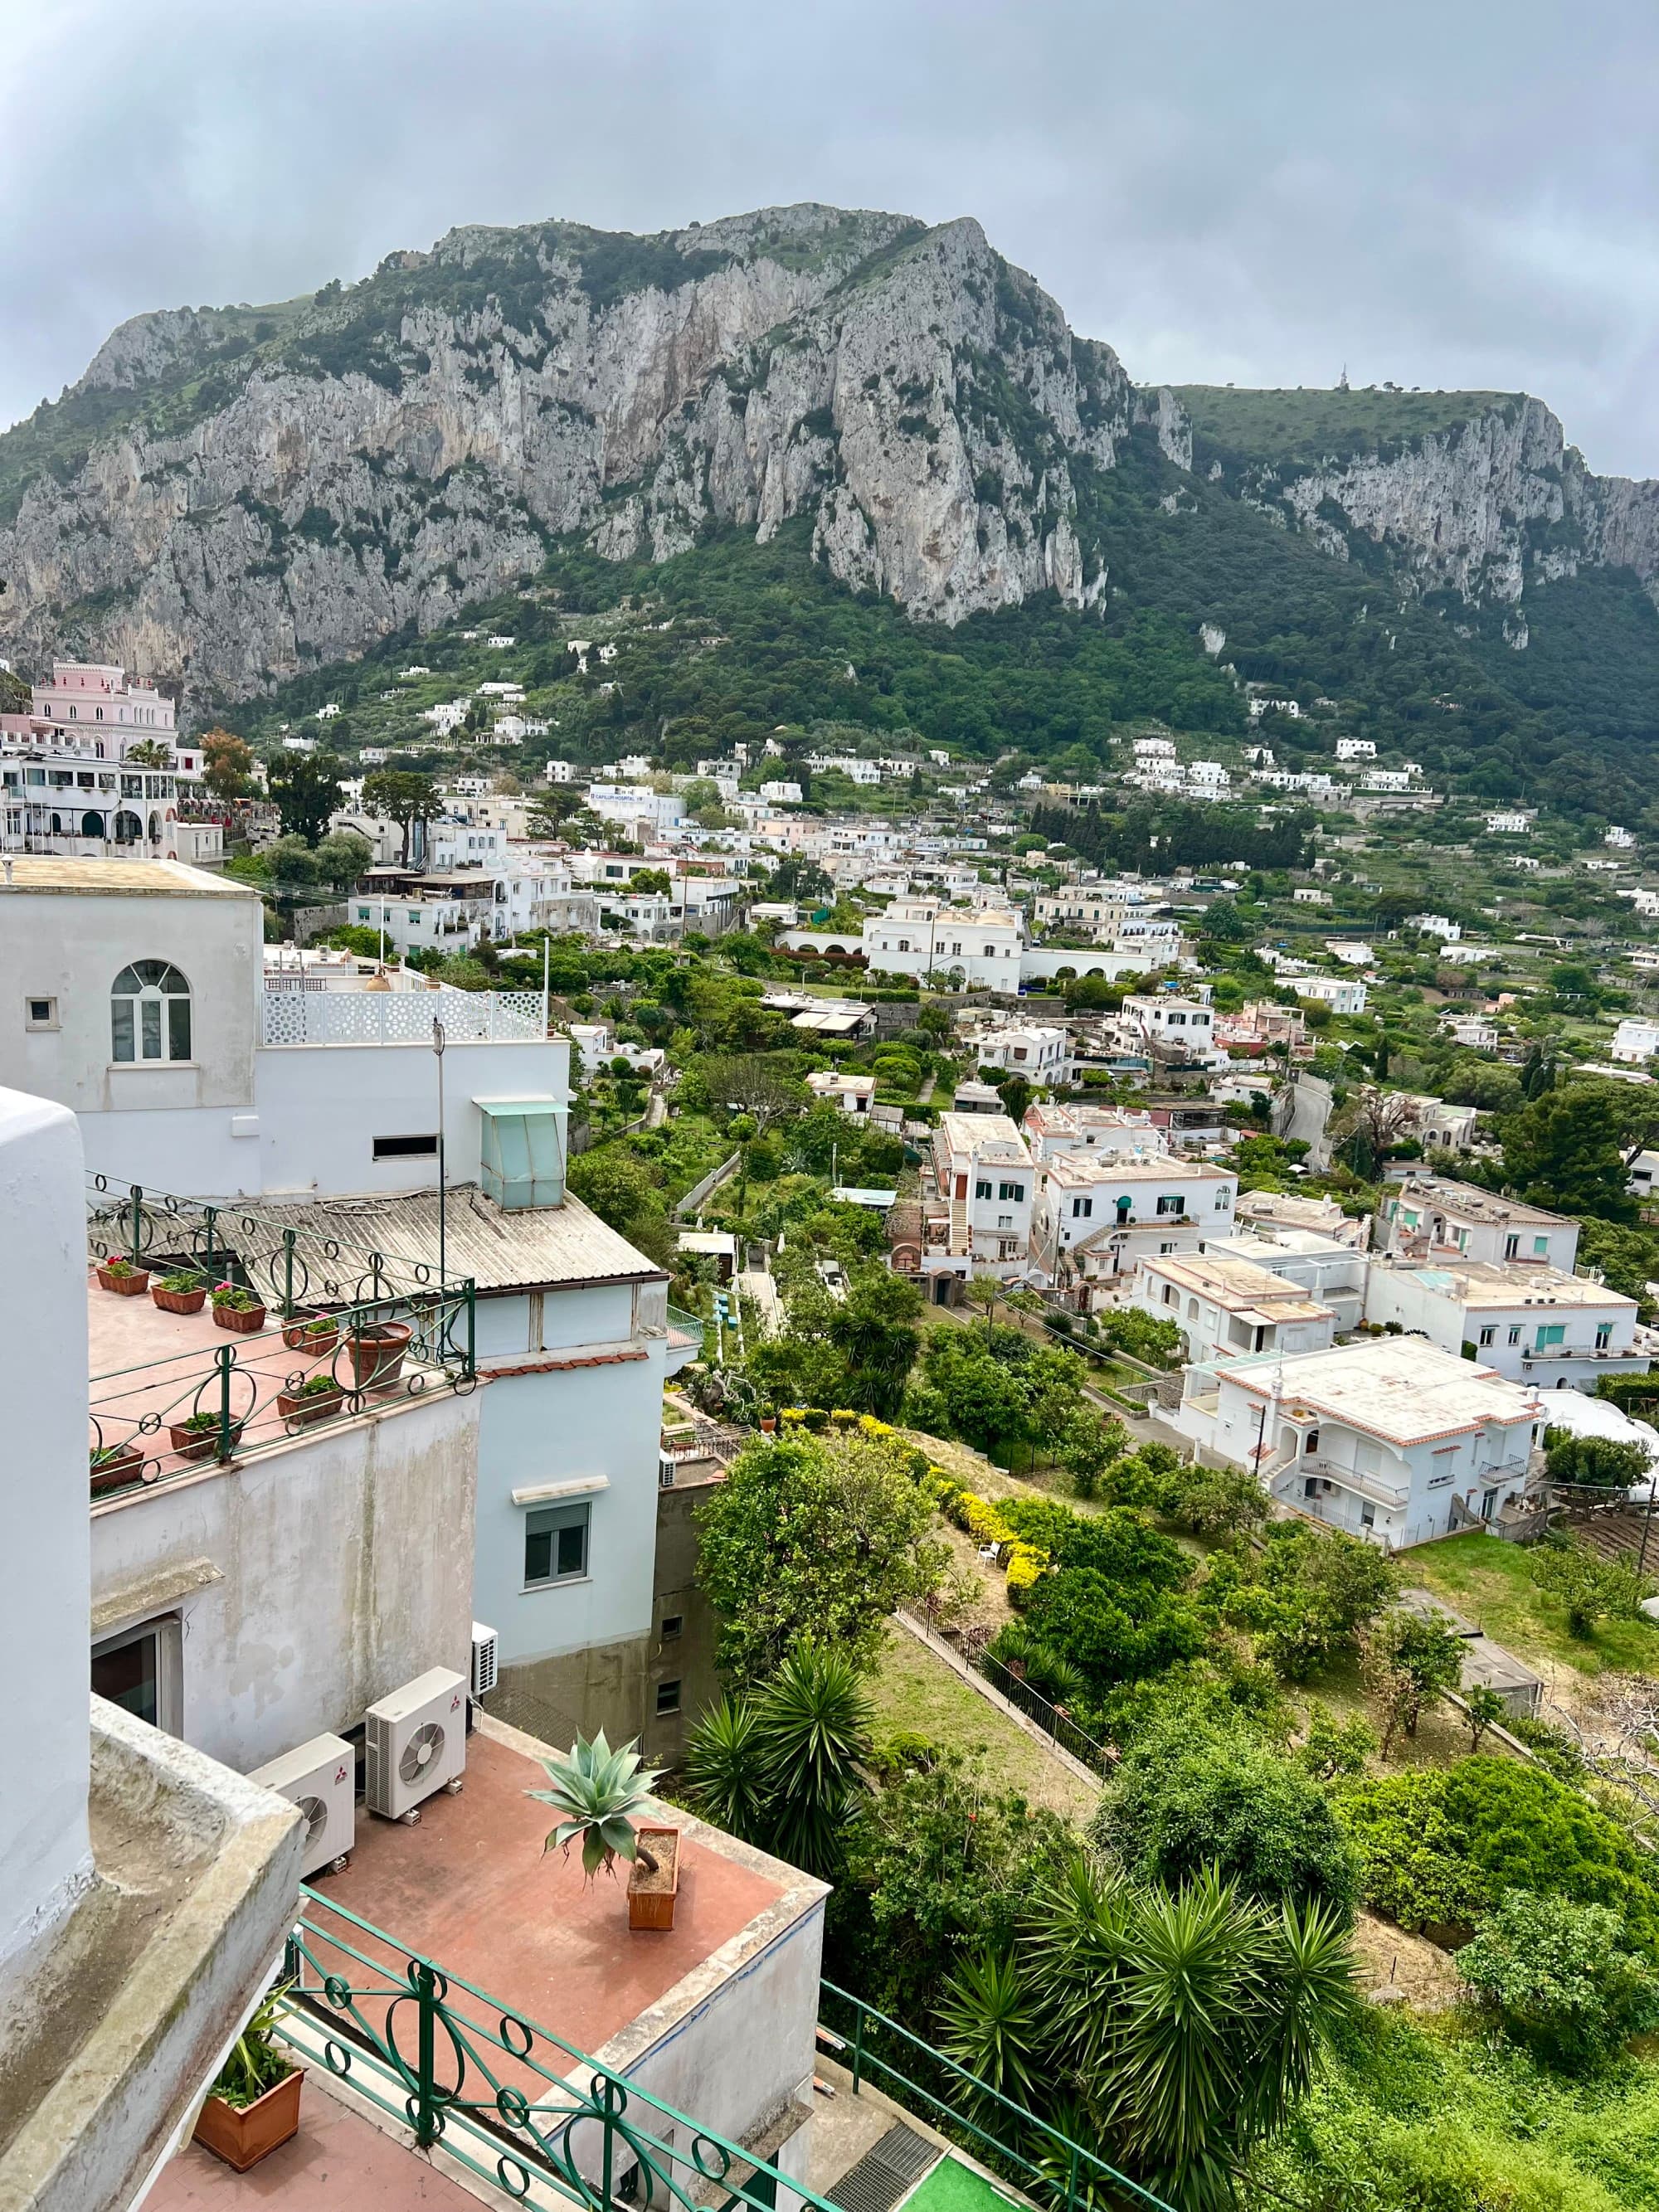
210 1404
516 2105
290 1264
290 1017
1053 1720
1035 2154
686 1324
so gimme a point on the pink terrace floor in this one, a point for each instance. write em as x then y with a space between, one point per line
336 2163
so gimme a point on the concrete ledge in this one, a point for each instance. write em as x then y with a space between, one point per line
976 1682
196 1885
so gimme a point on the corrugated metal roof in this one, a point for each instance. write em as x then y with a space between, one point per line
499 1250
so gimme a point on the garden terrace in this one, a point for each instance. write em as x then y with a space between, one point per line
175 1394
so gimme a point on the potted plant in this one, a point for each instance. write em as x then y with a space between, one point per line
121 1276
113 1466
197 1437
237 1308
179 1294
312 1333
314 1401
254 2105
376 1350
597 1794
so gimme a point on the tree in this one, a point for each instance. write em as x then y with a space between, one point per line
984 1292
1594 1462
1087 1447
151 752
551 809
1562 1150
402 796
819 1537
1561 1977
342 857
306 788
1217 1502
1483 1708
874 1330
1407 1661
1589 1586
749 1083
1016 1092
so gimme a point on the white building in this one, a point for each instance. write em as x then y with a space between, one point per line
1172 1029
1225 1306
1051 1128
650 814
853 1094
1098 1215
1431 1218
1343 994
96 768
1437 925
1533 1324
1355 748
1388 1439
1475 1031
1634 1040
984 1187
920 938
1333 1271
1036 1050
1510 823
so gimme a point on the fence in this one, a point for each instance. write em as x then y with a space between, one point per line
288 1017
204 1403
515 2106
1034 2153
1053 1720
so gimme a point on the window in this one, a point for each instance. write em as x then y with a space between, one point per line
1603 1334
405 1148
1511 1247
1171 1204
1368 1516
668 1697
1171 1296
39 1013
150 1013
1082 1208
1488 1335
1514 1334
1222 1199
1016 1191
981 1190
555 1545
672 1625
1005 1221
1548 1333
139 1670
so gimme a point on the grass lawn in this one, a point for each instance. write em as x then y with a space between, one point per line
1491 1582
914 1691
953 2187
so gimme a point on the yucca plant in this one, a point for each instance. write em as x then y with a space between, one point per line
815 1723
992 2023
598 1793
257 2061
726 1768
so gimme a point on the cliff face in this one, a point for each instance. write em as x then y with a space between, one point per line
381 461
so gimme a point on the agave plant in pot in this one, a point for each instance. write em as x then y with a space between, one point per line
597 1794
254 2105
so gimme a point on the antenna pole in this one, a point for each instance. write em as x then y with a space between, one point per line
438 1042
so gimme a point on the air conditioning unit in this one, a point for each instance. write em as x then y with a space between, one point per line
483 1660
416 1741
320 1777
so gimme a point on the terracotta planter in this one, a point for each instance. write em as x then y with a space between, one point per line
310 1405
123 1467
768 1428
651 1896
242 1321
243 2134
300 1334
376 1352
130 1285
178 1302
202 1443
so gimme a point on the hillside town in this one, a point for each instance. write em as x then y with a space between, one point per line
746 1300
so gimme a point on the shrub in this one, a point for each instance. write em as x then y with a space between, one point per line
1413 1864
1589 1586
1561 1977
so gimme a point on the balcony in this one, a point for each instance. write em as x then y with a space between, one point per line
301 1016
686 1334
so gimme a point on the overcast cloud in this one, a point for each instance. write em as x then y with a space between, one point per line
1462 194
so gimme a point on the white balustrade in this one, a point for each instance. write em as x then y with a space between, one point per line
400 1016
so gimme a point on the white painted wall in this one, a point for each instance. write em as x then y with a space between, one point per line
45 1852
344 1567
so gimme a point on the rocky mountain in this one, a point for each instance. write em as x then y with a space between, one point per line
230 498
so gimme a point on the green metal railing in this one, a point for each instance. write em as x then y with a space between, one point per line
688 1324
1034 2154
515 2105
290 1264
207 1403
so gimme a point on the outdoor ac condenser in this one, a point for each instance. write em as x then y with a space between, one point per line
320 1777
483 1660
416 1742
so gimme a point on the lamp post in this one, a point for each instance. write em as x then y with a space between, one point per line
438 1053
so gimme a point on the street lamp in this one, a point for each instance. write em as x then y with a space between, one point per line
438 1052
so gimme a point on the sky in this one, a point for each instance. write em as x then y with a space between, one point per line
1462 195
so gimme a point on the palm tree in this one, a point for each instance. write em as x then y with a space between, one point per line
815 1722
725 1768
992 2023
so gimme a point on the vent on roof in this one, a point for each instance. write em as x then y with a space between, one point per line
888 2170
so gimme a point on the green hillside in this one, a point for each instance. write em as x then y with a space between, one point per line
1304 426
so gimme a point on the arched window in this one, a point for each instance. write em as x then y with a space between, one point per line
150 1012
129 829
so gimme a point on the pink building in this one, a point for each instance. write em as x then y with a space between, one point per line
68 784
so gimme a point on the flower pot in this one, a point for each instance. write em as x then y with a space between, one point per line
123 1466
242 2134
243 1321
768 1427
132 1285
651 1896
302 1335
376 1353
310 1405
202 1443
178 1302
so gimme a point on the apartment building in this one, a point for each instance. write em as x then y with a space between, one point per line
1343 994
96 768
1036 1050
1392 1440
1335 1274
1224 1304
979 1220
1432 1217
1176 1030
1098 1215
1052 1128
1532 1323
920 938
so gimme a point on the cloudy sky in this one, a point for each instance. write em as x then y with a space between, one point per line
1461 194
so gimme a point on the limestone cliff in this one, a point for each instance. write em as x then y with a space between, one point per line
266 490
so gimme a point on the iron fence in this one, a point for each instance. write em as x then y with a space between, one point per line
516 2105
1055 1721
262 1386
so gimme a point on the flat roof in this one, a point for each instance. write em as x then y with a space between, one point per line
1471 1203
983 1133
1482 1284
1240 1286
471 1889
1398 1388
51 873
1132 1167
